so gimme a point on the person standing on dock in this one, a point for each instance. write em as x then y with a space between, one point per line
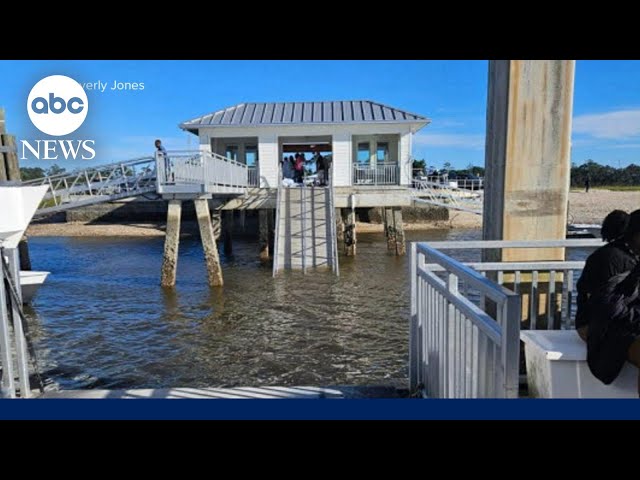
168 171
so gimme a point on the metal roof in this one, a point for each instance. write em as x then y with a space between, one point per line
301 113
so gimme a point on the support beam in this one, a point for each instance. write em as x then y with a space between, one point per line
171 244
528 140
389 228
350 237
398 230
12 166
527 159
263 219
22 354
227 232
339 226
211 257
7 387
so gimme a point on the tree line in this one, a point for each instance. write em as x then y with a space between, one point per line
31 173
604 175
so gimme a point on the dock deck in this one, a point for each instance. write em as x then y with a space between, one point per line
236 393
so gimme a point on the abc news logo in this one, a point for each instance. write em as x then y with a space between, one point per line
57 105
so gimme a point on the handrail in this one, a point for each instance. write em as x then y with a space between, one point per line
334 236
303 227
457 349
276 241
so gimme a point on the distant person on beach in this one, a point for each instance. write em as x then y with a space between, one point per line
587 184
613 312
168 171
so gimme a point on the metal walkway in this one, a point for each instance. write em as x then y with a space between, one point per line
305 235
444 195
194 173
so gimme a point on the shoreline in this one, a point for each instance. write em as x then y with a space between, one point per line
588 208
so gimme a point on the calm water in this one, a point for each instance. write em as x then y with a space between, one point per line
102 321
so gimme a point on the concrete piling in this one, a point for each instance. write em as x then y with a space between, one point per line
350 237
263 218
227 232
171 244
211 256
398 230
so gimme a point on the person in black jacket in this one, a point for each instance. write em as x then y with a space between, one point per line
614 258
612 312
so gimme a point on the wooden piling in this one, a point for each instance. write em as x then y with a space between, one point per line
211 256
171 244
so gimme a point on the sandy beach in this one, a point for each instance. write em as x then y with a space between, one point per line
584 207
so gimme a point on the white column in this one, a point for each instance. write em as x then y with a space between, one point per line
268 163
342 159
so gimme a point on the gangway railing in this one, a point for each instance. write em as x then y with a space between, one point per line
200 171
444 195
546 287
96 184
457 350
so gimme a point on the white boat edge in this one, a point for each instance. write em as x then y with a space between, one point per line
30 282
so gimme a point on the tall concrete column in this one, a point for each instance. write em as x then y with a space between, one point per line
171 244
527 162
529 110
211 257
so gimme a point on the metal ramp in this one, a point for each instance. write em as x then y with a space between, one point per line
180 173
444 195
305 234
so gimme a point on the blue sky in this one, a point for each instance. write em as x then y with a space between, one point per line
452 93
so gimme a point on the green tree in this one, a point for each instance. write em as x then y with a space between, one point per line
31 173
446 166
55 169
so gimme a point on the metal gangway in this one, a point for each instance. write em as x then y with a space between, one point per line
181 172
305 234
443 194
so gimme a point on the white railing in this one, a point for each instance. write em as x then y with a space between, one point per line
332 218
549 286
380 174
546 287
276 240
458 350
444 195
90 185
213 172
253 176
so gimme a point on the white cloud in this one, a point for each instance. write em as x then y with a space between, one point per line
620 124
459 140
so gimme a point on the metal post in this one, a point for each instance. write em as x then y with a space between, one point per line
7 388
452 285
413 325
511 345
22 354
